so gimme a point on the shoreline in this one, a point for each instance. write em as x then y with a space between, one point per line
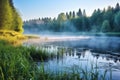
44 39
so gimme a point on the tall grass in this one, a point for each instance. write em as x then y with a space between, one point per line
17 63
39 54
74 73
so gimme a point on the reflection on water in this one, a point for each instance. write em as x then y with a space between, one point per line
84 52
93 42
82 57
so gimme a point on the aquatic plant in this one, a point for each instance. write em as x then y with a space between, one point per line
17 63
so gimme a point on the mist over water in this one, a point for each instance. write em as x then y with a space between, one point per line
103 42
80 51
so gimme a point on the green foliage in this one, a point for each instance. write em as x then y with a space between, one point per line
39 54
80 22
74 14
17 23
9 17
117 21
85 24
61 18
96 19
6 16
79 13
70 15
105 26
16 63
117 7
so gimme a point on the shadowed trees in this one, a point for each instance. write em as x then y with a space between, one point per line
105 26
79 13
117 22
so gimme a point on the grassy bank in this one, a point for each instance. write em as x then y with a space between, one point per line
12 37
17 63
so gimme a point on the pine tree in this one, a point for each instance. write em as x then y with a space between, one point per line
17 21
105 26
67 15
117 8
5 15
117 22
9 17
79 13
74 14
84 12
70 15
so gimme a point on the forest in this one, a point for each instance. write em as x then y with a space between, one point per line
106 20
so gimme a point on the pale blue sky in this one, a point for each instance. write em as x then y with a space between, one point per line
30 9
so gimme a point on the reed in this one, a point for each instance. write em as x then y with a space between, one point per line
17 63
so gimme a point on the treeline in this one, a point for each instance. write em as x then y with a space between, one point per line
9 17
106 20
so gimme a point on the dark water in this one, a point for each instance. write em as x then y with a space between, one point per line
86 53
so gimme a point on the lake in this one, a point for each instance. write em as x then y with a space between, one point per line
100 52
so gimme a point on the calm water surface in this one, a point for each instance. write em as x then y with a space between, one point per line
84 53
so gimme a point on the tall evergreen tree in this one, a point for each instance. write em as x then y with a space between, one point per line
84 12
79 13
74 14
9 17
106 26
117 7
117 21
17 21
5 15
67 15
70 15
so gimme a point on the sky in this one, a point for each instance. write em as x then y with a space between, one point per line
34 9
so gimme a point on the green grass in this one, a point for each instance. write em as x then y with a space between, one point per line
15 63
75 73
18 63
39 54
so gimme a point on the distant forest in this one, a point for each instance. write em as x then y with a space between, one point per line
106 20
